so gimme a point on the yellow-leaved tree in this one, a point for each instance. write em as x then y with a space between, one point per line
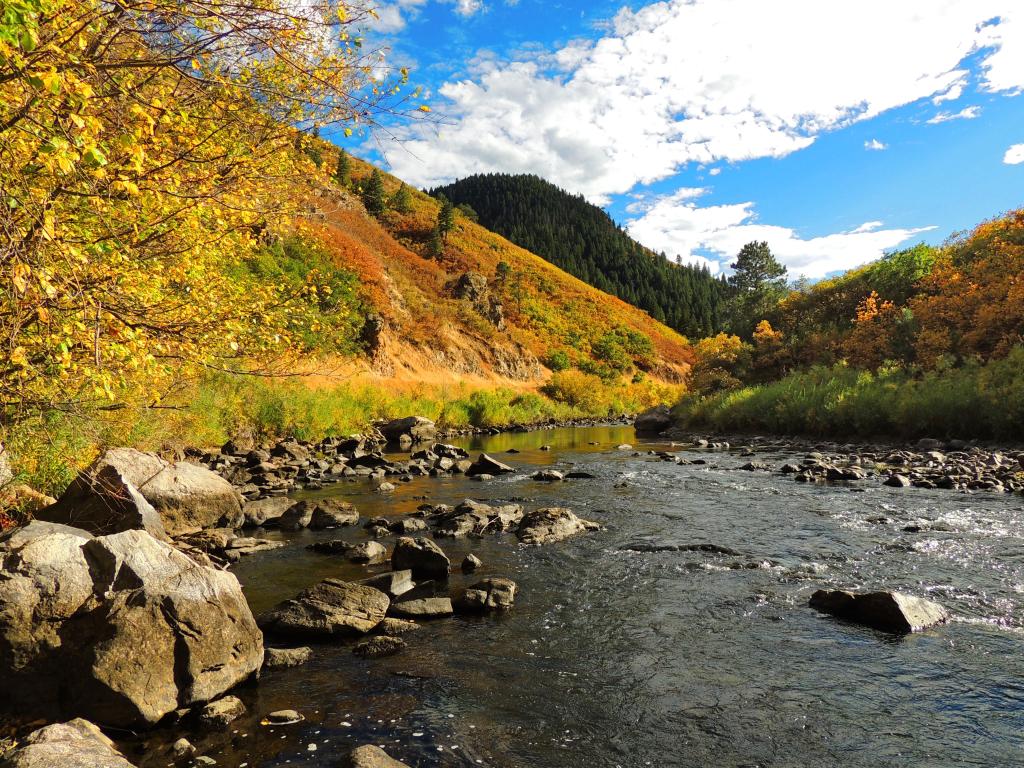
147 147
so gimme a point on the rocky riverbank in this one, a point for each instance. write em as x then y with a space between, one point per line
116 607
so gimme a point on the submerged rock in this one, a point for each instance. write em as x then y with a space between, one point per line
379 647
888 611
74 744
330 608
544 526
121 629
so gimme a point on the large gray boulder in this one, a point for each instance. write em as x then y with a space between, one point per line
411 429
544 526
74 744
653 421
888 611
328 609
120 629
266 512
186 496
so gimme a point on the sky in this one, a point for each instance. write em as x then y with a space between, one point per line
835 131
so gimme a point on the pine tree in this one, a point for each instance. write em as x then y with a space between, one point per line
374 197
445 218
401 201
435 245
342 174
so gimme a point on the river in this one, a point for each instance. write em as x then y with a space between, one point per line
614 657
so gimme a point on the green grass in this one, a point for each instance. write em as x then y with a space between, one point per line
973 401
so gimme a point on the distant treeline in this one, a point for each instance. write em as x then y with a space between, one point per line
584 241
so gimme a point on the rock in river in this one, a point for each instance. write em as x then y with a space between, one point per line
544 526
187 497
486 465
423 608
121 629
74 744
393 583
369 756
330 608
379 647
421 556
888 611
284 658
488 595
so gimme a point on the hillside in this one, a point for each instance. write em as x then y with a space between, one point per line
484 307
584 241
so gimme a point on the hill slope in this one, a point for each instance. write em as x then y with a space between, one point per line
484 307
584 241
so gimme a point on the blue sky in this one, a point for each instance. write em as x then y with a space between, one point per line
833 130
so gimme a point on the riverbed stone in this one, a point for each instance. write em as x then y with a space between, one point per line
494 594
392 583
333 513
393 626
369 756
551 524
222 712
422 608
488 465
380 646
121 629
470 563
421 556
888 611
265 512
414 429
327 609
74 744
285 658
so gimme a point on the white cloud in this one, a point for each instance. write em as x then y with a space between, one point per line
392 17
952 94
875 145
714 171
681 82
468 7
967 113
1014 155
675 224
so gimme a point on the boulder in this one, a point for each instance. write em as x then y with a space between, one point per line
333 513
379 646
284 658
888 611
121 629
74 744
187 497
653 421
411 429
488 595
327 609
392 626
548 476
114 505
392 583
897 481
422 608
369 756
470 563
421 556
544 526
296 517
477 518
265 512
487 465
284 717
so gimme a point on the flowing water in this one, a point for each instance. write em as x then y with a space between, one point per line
614 657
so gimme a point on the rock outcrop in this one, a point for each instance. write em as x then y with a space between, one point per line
187 497
120 629
888 611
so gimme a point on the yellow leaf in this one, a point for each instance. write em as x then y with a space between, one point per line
19 357
19 276
424 108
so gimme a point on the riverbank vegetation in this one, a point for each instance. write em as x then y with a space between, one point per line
926 341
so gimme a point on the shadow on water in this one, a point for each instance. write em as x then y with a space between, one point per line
614 657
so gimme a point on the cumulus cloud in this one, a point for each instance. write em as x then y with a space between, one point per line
392 17
680 82
714 234
967 113
1014 155
875 145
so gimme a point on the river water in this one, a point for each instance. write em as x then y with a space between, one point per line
614 657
